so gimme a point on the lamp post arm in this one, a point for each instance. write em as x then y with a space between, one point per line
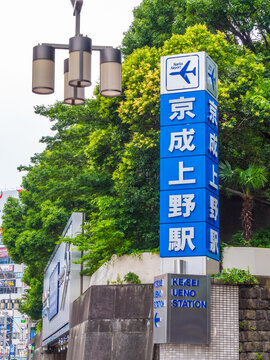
57 46
66 46
99 48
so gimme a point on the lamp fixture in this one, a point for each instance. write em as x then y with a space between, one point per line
77 69
110 72
72 95
43 69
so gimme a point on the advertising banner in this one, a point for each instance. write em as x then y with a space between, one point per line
54 292
3 252
7 267
7 283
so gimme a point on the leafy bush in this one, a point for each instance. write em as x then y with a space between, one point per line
132 278
236 277
259 239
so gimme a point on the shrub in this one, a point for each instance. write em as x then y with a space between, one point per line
236 277
132 278
260 239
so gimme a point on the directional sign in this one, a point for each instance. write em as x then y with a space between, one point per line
156 319
12 350
160 306
186 318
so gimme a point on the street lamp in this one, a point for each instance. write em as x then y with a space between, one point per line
77 68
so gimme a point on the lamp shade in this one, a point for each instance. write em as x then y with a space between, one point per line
110 72
72 95
80 50
43 69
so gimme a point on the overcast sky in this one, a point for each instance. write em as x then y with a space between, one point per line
24 24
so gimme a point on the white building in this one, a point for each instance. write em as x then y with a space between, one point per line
62 285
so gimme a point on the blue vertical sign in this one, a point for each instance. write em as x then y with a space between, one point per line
189 200
12 350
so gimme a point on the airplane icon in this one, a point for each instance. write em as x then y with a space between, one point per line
213 79
184 71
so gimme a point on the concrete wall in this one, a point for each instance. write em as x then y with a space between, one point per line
146 266
254 259
112 323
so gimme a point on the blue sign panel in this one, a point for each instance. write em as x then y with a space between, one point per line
189 202
189 172
189 239
188 108
185 140
54 292
189 206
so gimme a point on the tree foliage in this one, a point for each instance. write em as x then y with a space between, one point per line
245 22
58 182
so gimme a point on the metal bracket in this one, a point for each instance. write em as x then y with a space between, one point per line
77 6
57 46
66 46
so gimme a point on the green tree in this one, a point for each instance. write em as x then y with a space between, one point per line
58 182
155 21
246 20
249 182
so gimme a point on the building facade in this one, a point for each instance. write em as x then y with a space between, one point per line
14 326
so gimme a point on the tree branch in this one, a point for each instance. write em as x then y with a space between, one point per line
242 195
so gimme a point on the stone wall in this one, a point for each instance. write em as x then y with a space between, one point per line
254 311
